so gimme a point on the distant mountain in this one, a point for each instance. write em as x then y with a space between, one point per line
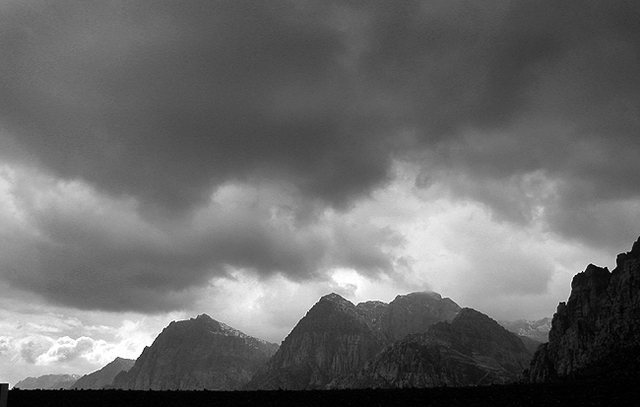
199 353
415 313
104 377
336 338
536 330
597 331
473 349
50 381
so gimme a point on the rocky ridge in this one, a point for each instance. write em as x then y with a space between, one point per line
195 354
470 350
336 338
50 381
597 331
332 339
104 377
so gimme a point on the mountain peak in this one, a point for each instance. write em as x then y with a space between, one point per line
471 317
470 350
596 332
634 254
209 354
421 295
635 249
204 317
336 298
470 313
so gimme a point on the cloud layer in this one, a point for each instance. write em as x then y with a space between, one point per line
151 146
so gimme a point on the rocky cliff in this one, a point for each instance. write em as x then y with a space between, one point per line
336 338
597 331
471 350
104 377
50 381
199 353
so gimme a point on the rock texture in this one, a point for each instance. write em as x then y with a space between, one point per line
536 330
415 313
331 340
104 377
199 353
50 381
597 331
473 349
336 338
531 344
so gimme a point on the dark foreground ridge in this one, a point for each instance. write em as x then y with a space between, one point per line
597 331
585 393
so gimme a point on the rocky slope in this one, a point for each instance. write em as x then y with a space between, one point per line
531 344
104 377
50 381
597 331
199 353
336 338
331 340
415 313
471 350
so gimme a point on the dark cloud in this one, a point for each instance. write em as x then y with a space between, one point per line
530 107
88 251
163 101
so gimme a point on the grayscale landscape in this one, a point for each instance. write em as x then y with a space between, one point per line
319 202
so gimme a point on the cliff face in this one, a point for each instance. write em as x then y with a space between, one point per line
199 353
471 350
336 338
104 377
597 331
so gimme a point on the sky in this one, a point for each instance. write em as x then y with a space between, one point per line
163 159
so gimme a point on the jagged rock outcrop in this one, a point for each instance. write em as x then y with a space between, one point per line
537 330
49 381
336 338
199 353
597 331
473 349
104 377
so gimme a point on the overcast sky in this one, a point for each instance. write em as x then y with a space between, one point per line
161 159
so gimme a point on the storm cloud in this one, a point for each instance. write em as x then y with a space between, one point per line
83 249
141 118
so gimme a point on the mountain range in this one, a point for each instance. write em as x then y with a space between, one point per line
416 340
472 349
337 338
537 330
46 382
104 377
199 353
